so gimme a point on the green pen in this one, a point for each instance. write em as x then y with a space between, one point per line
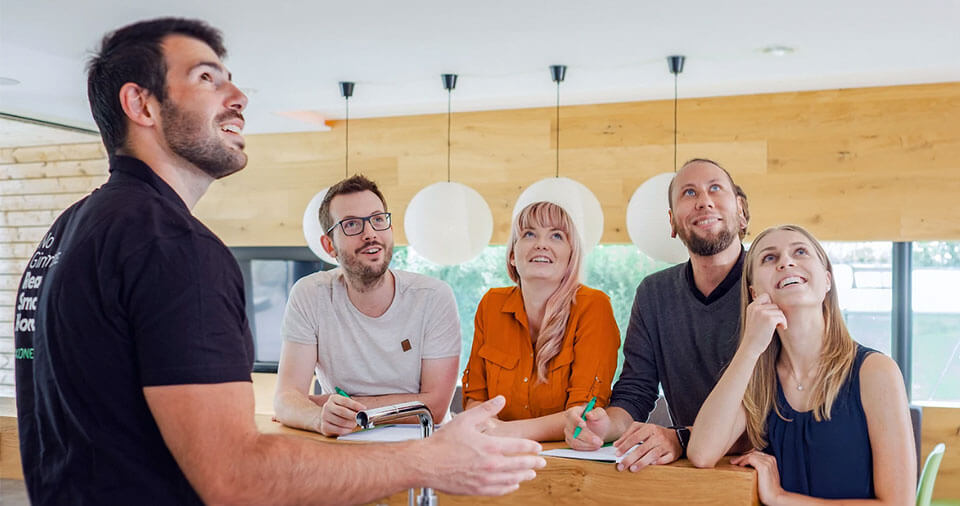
341 392
586 410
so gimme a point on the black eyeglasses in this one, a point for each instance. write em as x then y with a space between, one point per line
354 226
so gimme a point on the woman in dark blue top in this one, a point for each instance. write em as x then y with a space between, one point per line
830 415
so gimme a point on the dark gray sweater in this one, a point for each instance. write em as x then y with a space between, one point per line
678 338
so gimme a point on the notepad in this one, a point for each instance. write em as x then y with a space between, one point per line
606 453
385 433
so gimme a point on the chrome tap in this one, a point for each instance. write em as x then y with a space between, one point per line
370 418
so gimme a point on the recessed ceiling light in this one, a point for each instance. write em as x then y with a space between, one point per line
8 81
778 50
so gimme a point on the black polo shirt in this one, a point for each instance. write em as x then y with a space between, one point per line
126 290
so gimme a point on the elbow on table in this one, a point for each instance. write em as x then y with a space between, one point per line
700 458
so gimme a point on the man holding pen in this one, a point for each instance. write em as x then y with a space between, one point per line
137 388
683 327
381 336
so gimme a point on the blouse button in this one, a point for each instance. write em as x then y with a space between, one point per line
524 380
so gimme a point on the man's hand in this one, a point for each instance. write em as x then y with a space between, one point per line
658 445
339 415
461 459
592 431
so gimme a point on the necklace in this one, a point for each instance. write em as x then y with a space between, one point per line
793 372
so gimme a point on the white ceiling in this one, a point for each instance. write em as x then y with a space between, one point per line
290 55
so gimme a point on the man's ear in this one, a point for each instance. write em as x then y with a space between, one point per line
135 102
741 216
673 229
327 244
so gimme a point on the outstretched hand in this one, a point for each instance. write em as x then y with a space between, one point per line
465 460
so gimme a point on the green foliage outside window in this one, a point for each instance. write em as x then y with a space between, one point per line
614 268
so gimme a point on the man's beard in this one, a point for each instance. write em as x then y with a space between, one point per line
365 275
187 136
707 246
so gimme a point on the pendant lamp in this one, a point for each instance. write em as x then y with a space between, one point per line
448 223
648 223
312 230
574 197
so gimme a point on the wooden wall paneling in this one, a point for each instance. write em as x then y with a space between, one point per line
942 425
846 159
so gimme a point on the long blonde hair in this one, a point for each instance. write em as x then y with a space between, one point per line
557 310
836 357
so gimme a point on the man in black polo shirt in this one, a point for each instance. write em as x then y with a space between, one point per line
683 327
136 386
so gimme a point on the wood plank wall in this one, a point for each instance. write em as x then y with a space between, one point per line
859 164
36 185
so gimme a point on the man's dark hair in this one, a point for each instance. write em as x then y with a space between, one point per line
353 184
133 54
736 189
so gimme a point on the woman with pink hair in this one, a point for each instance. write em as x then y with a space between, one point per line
547 344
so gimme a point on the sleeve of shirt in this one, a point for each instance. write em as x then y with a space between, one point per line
299 318
475 375
638 387
442 328
185 307
596 341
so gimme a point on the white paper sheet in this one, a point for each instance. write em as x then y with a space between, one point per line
385 433
604 454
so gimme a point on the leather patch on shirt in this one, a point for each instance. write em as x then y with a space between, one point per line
405 344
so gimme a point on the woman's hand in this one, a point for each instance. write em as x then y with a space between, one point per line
763 318
592 431
768 477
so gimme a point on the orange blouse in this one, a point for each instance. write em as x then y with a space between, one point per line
502 361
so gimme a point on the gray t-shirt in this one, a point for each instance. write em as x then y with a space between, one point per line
373 356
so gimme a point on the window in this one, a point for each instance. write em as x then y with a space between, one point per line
863 277
936 321
268 275
616 269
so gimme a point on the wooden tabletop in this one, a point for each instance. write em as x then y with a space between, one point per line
569 481
563 481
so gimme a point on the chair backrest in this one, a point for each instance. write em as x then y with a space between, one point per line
929 475
916 418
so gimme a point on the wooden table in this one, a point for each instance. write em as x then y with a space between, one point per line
563 481
9 442
569 481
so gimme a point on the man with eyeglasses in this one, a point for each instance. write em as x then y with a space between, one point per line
378 335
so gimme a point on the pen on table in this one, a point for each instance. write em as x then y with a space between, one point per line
341 392
586 410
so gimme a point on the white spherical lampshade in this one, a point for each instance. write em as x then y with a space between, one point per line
575 198
448 223
648 223
312 230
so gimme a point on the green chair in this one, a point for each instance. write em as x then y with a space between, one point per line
929 475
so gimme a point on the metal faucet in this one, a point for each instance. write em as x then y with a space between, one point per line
369 418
